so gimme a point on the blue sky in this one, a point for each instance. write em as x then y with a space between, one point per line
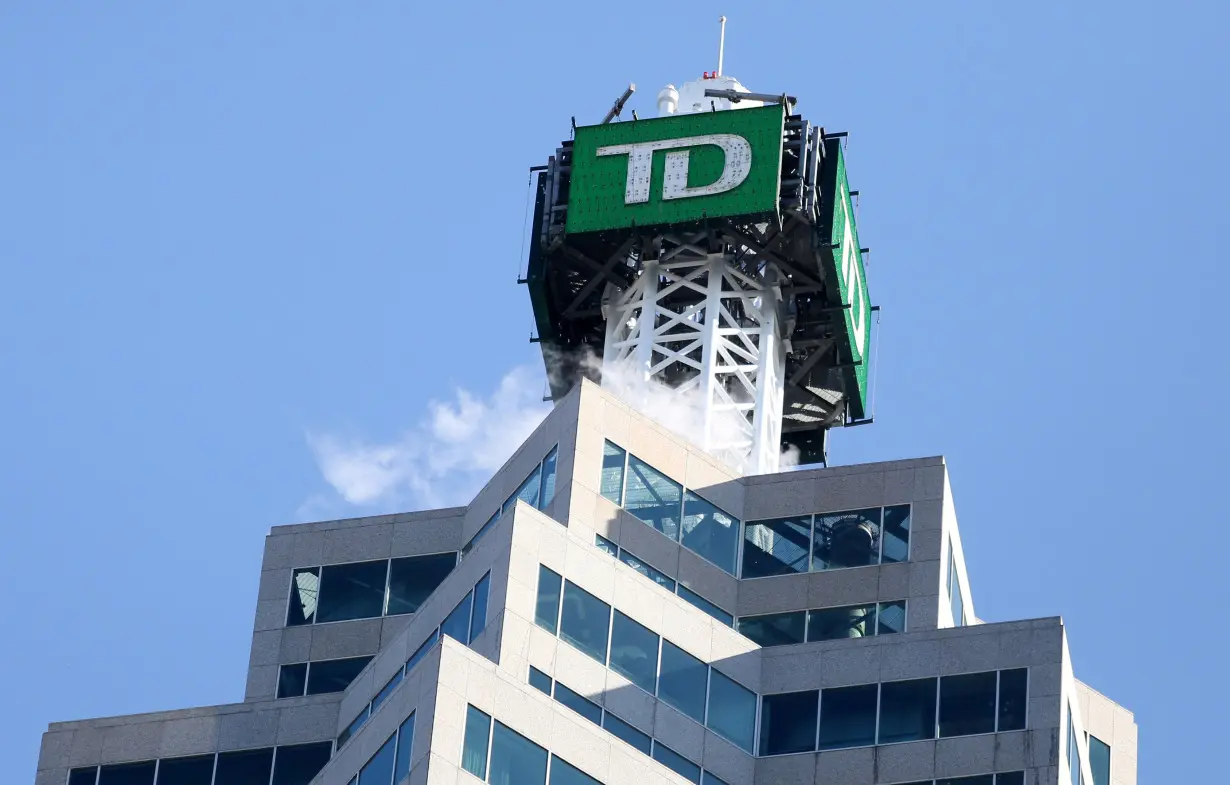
239 240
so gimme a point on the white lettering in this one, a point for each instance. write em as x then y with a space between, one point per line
852 276
735 169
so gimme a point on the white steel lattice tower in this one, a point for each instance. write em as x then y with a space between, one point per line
701 328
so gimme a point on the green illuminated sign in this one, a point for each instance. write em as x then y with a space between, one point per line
676 169
846 268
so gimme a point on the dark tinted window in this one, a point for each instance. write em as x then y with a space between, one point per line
653 574
387 690
622 730
540 681
653 497
515 760
292 680
297 764
478 619
1099 761
353 727
907 710
195 770
967 704
352 591
247 767
775 629
474 747
405 746
1012 698
852 621
564 773
304 590
88 776
585 621
891 618
457 624
1014 778
528 492
613 472
683 681
548 478
732 710
981 779
709 778
132 773
422 651
848 717
846 539
602 542
379 768
776 547
478 535
634 652
676 762
334 675
710 531
412 580
546 612
896 534
700 602
578 703
788 722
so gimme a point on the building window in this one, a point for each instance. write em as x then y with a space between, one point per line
327 676
847 539
474 746
665 581
956 602
907 710
652 573
528 492
967 704
292 680
548 478
776 547
788 722
848 717
614 459
653 497
546 610
414 578
622 730
634 652
1013 698
137 773
379 768
682 682
853 621
564 773
352 591
700 602
1099 761
292 765
405 748
348 733
585 621
199 769
676 762
732 710
890 618
775 629
457 624
515 759
579 703
304 591
497 754
540 681
246 767
709 532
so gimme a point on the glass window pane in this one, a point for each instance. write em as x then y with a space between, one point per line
710 532
292 680
585 621
732 710
891 618
848 717
352 591
1099 761
515 760
788 722
478 619
478 535
564 773
329 676
379 768
622 730
578 703
548 478
653 497
528 491
611 548
138 773
89 775
981 779
457 624
546 612
634 652
700 602
247 767
540 681
353 727
896 534
967 704
653 574
613 472
709 778
957 602
776 547
1015 778
304 590
474 747
405 748
852 621
683 681
387 689
422 651
413 579
775 629
194 770
1012 698
907 710
846 539
297 764
676 762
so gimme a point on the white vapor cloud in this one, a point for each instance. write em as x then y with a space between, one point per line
441 461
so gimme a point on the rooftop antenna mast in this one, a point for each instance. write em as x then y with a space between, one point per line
721 45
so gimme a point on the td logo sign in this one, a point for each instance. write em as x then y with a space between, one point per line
674 170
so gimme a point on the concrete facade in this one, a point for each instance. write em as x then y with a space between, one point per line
447 682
